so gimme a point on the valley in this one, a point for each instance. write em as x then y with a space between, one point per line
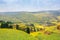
42 25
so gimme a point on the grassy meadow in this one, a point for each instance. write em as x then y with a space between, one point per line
11 34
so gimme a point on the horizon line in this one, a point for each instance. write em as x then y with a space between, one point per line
30 11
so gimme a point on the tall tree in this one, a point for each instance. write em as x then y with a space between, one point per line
28 30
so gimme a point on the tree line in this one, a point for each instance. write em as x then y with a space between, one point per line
10 25
28 27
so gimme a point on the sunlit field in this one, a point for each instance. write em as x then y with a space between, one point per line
44 25
11 34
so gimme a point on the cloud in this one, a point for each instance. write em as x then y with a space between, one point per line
29 5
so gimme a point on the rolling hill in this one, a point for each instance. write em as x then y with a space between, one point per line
11 34
30 17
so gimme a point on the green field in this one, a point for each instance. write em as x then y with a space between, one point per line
11 34
54 36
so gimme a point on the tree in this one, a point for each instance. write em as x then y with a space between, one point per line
17 26
11 26
4 25
28 30
34 29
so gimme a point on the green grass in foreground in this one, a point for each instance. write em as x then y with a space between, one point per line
54 36
11 34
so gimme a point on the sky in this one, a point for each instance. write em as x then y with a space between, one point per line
29 5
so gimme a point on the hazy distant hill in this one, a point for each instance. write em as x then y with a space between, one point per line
41 16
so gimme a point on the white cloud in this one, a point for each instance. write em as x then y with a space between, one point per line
31 5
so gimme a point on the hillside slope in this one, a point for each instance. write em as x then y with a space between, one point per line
30 17
11 34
